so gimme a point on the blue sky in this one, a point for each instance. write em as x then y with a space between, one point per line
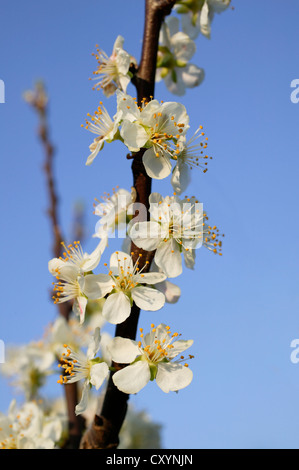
241 309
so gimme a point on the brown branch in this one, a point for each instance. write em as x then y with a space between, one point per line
38 100
103 433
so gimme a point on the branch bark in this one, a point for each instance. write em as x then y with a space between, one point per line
104 431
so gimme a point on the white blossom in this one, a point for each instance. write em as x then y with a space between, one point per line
188 157
80 366
175 227
173 64
154 126
69 271
113 212
123 285
104 127
113 72
197 15
152 358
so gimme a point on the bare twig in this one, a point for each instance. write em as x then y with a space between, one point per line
38 100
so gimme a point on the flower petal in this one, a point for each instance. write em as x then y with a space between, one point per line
179 346
168 258
172 377
98 374
156 167
146 235
180 177
96 286
79 307
95 149
120 259
149 278
133 378
148 298
116 308
123 350
134 135
171 291
83 403
93 259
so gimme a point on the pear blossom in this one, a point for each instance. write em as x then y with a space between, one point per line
154 126
189 156
113 72
87 367
124 285
151 358
28 427
69 271
104 127
197 15
175 227
113 212
174 53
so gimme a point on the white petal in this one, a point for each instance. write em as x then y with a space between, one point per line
180 178
188 27
148 298
96 286
117 308
134 135
118 44
133 378
120 259
176 87
168 258
126 107
94 258
94 152
83 403
98 374
205 24
54 264
171 291
156 167
173 25
189 258
179 346
94 344
192 75
149 278
172 377
79 307
123 350
124 81
123 63
146 235
183 46
179 113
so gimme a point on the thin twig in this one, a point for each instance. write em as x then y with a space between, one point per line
38 100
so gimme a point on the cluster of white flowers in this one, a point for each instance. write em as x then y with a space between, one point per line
177 226
29 427
173 229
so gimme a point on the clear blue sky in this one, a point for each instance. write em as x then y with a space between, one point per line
242 309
